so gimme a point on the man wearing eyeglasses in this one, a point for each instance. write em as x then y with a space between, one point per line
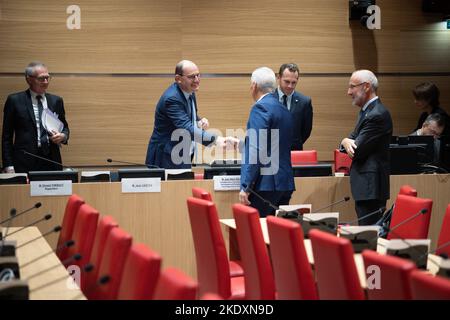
177 125
368 146
23 130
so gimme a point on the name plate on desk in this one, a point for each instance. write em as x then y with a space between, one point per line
51 188
227 183
132 185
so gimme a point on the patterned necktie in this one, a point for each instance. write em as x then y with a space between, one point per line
43 135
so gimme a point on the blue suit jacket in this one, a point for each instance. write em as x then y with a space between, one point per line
302 115
257 172
173 112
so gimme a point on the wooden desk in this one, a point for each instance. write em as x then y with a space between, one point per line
160 220
432 264
56 291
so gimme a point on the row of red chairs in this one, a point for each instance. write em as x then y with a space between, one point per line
112 267
290 276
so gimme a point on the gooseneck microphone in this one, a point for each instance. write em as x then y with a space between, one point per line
421 211
36 205
133 163
345 199
378 211
12 214
46 217
75 257
48 160
54 230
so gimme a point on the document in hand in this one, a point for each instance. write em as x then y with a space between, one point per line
51 122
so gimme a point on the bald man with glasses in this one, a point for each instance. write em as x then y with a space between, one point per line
177 126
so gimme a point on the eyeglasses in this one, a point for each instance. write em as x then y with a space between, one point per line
42 78
191 76
352 86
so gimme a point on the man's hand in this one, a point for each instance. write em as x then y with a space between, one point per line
203 124
57 137
9 170
243 198
349 146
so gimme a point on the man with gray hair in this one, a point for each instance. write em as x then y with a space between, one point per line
368 146
23 131
266 171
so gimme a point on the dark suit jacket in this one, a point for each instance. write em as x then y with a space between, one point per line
302 114
19 131
268 114
369 173
173 112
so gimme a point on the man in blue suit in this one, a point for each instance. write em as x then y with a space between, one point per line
298 104
177 125
266 161
368 146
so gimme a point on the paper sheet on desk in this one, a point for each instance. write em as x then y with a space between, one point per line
51 122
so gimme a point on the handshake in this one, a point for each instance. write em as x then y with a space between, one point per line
227 143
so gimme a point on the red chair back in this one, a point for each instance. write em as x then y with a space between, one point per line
303 157
427 287
175 285
105 225
84 234
259 281
200 193
117 247
342 162
140 274
293 276
444 235
406 207
213 269
73 204
335 269
407 190
394 275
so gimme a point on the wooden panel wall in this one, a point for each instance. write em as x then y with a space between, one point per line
112 71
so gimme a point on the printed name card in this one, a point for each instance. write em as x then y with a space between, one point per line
132 185
51 188
227 183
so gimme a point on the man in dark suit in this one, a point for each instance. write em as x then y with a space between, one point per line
23 129
368 146
266 161
298 104
177 125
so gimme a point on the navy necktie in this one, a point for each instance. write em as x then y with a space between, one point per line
44 136
285 101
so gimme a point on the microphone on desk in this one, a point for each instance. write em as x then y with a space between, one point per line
10 248
46 217
64 245
54 230
378 211
73 258
36 206
133 163
345 199
66 168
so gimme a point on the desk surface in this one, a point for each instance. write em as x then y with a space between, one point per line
432 264
65 289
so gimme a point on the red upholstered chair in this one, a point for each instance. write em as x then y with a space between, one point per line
335 269
427 287
84 234
303 157
175 285
213 267
342 162
117 246
293 275
105 225
444 235
405 207
200 193
140 274
407 190
394 276
73 204
259 281
211 296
